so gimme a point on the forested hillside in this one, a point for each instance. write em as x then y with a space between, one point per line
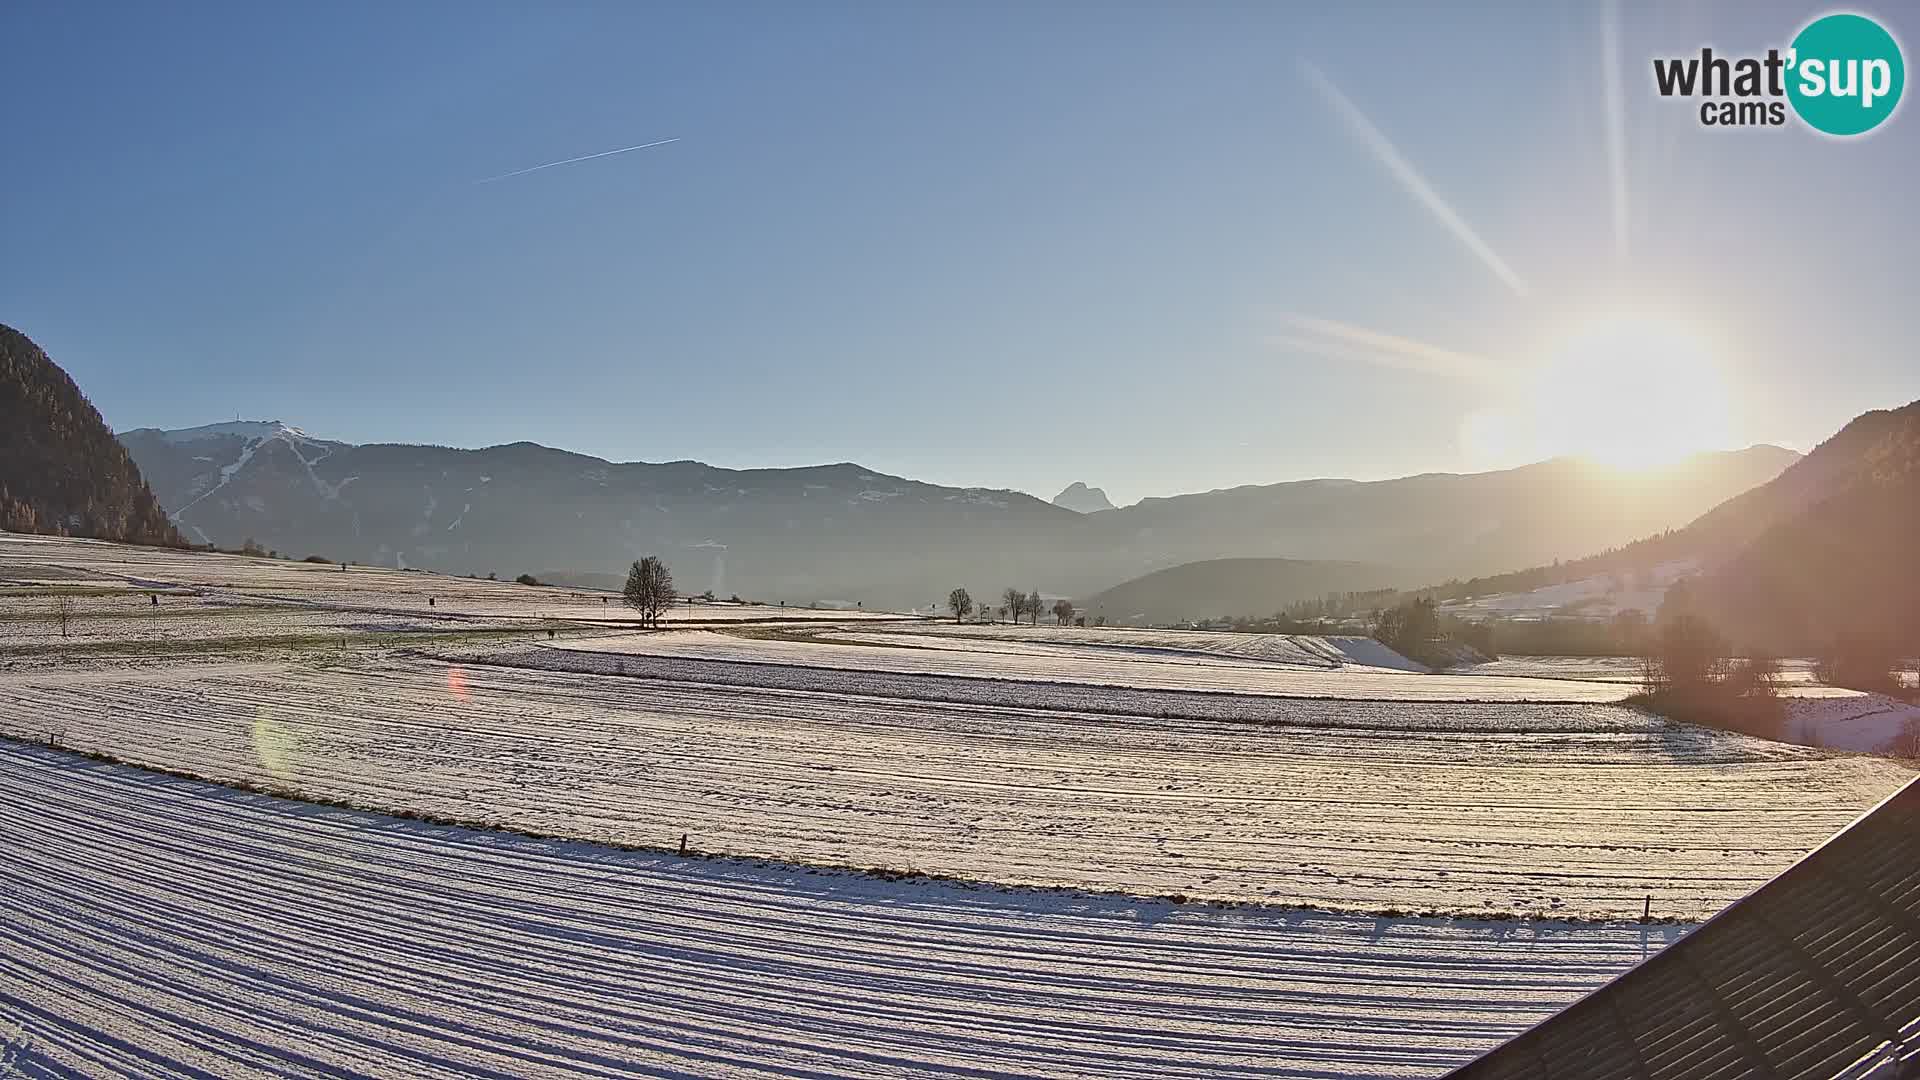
1829 549
1825 551
1232 588
61 469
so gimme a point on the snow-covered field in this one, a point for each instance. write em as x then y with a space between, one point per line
1613 669
163 928
29 565
156 926
1360 806
1851 720
1817 715
1377 710
1093 665
1297 651
1608 669
29 622
1601 596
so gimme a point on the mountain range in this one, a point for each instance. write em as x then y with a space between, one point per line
844 532
1787 552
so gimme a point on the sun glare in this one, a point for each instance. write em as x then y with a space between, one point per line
1628 391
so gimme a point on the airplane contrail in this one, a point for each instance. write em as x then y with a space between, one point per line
1409 177
571 160
1345 341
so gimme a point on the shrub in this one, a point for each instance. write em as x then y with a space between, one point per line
1477 636
1907 743
1410 629
1686 676
527 579
320 559
1758 674
1687 654
1859 662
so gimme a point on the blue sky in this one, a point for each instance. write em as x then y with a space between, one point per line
997 244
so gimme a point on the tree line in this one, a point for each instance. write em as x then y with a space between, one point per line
1014 605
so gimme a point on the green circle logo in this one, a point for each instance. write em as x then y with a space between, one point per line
1845 74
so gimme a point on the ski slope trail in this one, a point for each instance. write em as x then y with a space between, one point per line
165 928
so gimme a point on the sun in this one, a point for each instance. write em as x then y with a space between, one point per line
1630 391
1634 392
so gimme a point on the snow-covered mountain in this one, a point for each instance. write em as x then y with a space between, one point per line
202 463
245 430
844 532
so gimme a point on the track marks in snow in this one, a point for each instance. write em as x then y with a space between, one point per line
1574 811
166 928
1097 666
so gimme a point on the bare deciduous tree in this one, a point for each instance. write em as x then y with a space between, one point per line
63 613
1859 661
1063 611
1033 606
649 589
1014 603
960 603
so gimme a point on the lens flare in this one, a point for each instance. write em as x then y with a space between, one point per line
274 745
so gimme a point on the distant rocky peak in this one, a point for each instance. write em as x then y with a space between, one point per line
1082 499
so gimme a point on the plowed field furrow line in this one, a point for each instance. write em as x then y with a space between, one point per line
1341 818
239 935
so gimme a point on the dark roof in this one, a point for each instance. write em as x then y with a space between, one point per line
1811 975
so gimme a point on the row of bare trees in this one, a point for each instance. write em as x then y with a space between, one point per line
1014 604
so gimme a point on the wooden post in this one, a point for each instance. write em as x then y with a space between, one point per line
1646 913
683 843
